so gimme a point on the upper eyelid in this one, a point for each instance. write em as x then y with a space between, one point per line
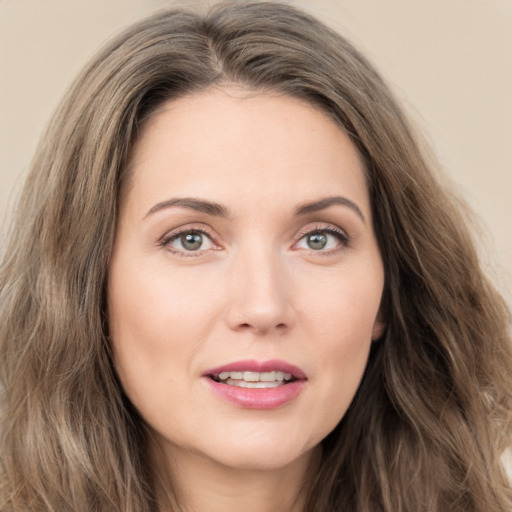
320 227
165 241
175 232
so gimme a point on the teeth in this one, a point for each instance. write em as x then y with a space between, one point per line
253 385
251 376
270 376
232 375
255 379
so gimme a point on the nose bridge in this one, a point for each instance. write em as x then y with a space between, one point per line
260 290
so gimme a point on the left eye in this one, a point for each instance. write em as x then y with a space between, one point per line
321 240
190 241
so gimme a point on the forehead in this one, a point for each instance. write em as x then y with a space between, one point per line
260 145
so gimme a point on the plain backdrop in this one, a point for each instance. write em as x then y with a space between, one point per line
449 61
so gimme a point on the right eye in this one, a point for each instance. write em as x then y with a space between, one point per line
190 241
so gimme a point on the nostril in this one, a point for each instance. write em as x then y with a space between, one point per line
247 325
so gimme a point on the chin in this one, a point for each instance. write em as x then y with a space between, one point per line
262 456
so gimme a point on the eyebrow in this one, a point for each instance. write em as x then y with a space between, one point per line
324 203
217 210
198 205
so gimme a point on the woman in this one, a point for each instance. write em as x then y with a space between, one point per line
234 282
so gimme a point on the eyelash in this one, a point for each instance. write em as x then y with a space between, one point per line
340 235
166 240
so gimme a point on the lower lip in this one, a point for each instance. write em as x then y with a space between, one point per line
254 398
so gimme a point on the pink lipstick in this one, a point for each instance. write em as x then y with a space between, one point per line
253 384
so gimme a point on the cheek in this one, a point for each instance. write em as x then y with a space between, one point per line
341 323
343 350
157 324
343 306
343 362
154 305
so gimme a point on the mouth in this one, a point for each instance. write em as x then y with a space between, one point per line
257 385
256 374
254 380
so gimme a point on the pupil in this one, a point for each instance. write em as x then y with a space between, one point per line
192 241
317 241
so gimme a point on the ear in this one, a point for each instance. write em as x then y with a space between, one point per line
379 327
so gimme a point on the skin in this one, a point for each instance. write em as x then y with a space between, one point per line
255 289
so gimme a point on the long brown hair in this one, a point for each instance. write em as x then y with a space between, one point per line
433 414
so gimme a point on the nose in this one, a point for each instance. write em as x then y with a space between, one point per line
261 293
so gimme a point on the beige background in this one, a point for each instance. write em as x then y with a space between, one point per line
448 60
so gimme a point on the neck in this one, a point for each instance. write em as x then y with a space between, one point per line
199 484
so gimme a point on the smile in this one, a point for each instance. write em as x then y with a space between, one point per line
257 385
255 380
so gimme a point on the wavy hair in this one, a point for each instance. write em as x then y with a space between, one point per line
433 413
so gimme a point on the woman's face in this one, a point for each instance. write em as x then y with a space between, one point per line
245 281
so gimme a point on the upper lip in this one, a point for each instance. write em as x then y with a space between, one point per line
252 365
